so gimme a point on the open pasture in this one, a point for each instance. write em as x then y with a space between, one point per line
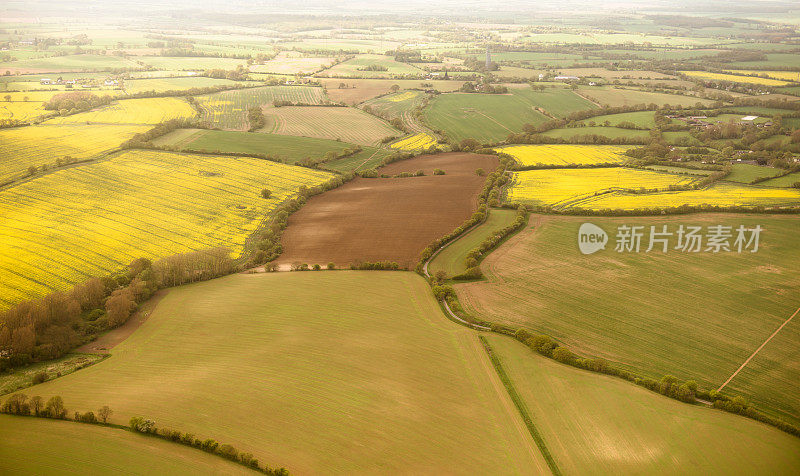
81 62
286 63
564 188
76 449
228 109
377 219
133 86
746 173
40 145
366 359
451 259
91 220
628 97
645 119
564 154
692 315
371 66
484 117
288 149
557 102
595 424
132 111
368 158
337 123
571 133
190 63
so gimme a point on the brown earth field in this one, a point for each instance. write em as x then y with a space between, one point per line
379 219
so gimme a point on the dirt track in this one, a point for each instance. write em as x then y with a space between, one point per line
387 218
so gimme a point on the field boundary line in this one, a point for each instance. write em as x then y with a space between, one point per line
757 350
521 407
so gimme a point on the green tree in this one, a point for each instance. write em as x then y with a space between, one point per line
265 193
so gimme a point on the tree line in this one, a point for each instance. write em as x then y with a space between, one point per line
50 326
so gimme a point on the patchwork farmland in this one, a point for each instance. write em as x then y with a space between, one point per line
228 109
340 238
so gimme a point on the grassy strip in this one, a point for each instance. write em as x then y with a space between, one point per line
512 392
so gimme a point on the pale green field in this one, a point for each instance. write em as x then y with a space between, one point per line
51 447
596 424
693 315
325 372
451 259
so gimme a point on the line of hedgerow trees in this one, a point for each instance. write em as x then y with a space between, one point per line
19 404
52 325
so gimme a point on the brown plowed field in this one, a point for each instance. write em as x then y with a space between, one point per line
386 218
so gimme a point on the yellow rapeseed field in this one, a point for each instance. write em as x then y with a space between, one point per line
721 194
564 154
415 142
734 78
42 145
21 110
133 111
90 220
404 96
563 187
782 75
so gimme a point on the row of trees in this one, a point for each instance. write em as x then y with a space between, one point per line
146 426
52 325
19 404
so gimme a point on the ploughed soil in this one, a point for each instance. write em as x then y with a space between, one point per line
387 219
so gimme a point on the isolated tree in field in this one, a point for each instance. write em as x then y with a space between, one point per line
104 413
395 88
480 172
331 265
438 172
8 97
265 193
342 86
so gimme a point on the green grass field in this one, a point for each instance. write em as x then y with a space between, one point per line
64 447
628 97
356 67
133 86
289 149
558 102
365 359
82 62
485 117
611 132
644 119
785 181
595 424
693 315
451 259
190 63
369 158
746 173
